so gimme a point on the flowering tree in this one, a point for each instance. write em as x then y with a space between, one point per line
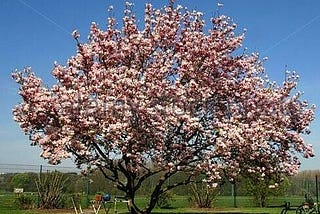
168 98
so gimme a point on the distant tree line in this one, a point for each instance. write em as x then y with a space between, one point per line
94 183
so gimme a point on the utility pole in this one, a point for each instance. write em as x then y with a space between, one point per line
234 193
317 189
40 177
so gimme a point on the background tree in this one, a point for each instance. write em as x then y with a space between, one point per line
21 180
24 180
263 188
73 180
5 182
304 182
99 184
170 97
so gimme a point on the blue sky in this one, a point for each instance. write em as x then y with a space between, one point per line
36 33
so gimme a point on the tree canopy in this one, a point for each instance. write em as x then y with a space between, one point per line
170 97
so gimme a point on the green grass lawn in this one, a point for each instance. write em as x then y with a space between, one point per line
223 204
7 205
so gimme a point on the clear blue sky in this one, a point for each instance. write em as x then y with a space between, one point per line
36 33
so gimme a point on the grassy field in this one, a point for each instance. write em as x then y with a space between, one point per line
224 204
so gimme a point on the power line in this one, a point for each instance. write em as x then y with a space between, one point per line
291 34
44 17
34 165
34 168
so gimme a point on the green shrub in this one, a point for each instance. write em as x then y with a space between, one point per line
51 190
203 195
25 202
165 200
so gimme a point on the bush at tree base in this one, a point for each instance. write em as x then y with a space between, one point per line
165 200
50 188
25 201
203 195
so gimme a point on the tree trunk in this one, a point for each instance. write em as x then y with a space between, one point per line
262 200
133 209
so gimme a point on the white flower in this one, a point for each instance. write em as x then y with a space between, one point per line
75 34
220 4
110 8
